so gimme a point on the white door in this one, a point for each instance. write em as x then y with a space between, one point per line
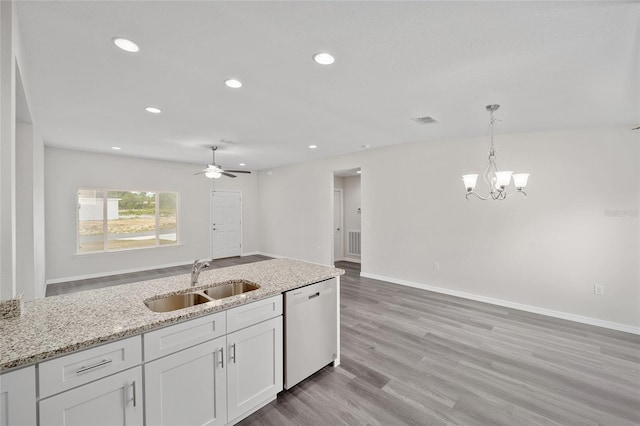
114 400
188 388
226 224
255 370
338 242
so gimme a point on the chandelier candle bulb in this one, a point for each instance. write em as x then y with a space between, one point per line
470 181
520 180
503 179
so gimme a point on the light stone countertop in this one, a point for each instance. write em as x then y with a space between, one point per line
61 324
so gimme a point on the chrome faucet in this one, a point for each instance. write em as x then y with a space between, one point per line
198 266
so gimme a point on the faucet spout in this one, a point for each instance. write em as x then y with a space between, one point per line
198 266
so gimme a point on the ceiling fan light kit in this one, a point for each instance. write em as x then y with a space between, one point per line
213 171
496 180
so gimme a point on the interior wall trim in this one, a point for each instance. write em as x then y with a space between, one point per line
507 304
110 273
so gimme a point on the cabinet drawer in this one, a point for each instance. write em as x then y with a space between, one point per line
114 400
253 313
78 368
183 335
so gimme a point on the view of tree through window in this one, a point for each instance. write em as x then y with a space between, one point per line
121 220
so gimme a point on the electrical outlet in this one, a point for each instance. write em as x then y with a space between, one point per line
598 290
436 266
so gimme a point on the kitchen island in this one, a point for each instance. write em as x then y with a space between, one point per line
61 327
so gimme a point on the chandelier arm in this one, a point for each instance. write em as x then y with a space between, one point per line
486 175
476 194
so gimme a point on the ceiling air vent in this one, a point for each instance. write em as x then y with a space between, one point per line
425 120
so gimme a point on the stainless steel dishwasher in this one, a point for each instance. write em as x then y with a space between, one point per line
310 327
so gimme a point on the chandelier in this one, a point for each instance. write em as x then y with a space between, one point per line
496 180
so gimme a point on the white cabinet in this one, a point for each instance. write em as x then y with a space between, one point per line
174 338
222 380
254 374
18 397
111 401
188 387
78 368
214 370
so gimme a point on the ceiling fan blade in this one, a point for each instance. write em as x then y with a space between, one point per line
238 171
228 175
200 172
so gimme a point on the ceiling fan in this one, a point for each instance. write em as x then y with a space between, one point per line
213 171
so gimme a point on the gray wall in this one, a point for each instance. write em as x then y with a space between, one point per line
544 252
21 171
69 170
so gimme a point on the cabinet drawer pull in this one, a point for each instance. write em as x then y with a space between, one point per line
102 363
314 295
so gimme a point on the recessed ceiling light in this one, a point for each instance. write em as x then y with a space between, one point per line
125 44
241 164
313 146
233 83
358 171
117 148
323 58
153 110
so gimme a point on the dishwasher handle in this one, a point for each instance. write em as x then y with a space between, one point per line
316 294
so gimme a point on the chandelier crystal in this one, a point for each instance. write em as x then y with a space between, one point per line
496 180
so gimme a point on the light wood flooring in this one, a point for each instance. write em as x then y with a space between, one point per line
414 357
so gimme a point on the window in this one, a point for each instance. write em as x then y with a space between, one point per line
123 220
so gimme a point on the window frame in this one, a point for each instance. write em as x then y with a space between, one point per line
105 221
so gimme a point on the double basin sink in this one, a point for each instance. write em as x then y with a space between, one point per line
186 300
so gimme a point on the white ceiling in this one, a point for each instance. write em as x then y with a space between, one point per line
551 65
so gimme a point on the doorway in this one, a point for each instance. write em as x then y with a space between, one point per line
338 239
347 229
226 224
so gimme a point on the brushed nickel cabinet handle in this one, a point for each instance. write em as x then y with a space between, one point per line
221 357
134 392
102 363
234 353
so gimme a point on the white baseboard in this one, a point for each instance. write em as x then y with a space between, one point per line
507 304
250 253
111 273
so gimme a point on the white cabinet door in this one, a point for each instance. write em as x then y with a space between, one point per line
254 375
18 397
114 400
188 387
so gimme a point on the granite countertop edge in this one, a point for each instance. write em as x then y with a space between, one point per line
52 327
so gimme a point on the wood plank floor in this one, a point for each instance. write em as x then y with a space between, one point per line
413 357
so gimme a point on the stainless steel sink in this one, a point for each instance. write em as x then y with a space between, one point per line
177 301
230 289
181 301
